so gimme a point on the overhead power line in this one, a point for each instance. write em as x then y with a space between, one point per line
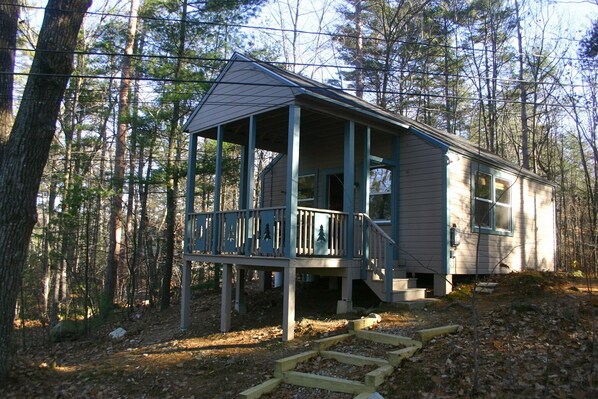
285 30
281 85
311 65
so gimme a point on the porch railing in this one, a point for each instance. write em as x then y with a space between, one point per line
261 232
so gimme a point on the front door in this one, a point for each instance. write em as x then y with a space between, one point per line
335 192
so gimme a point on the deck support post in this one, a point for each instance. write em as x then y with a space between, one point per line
225 306
186 295
288 307
240 303
443 284
345 305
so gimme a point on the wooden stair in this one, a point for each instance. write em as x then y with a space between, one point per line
403 289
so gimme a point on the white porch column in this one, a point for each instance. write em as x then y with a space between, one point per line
288 307
225 306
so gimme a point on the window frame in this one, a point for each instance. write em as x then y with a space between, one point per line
313 198
494 202
374 194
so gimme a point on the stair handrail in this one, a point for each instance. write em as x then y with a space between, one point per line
384 259
377 228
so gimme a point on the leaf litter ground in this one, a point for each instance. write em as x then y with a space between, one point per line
535 340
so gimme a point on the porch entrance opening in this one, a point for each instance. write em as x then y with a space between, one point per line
335 192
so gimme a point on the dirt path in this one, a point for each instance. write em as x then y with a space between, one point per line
535 340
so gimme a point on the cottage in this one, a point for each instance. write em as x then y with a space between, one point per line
356 192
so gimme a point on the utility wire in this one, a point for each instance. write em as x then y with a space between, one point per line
311 65
294 31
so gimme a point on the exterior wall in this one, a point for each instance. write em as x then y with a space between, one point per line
274 181
421 232
531 246
229 101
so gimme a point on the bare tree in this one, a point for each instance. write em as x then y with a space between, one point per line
115 251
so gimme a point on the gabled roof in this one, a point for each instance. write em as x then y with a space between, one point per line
303 86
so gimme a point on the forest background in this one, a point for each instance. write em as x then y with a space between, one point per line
519 78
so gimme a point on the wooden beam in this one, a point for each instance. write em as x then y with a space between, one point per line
377 377
390 339
289 363
396 357
355 360
429 333
240 300
288 316
186 296
258 390
324 382
325 343
225 306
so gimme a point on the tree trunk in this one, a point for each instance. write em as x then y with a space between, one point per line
9 17
26 152
172 167
115 261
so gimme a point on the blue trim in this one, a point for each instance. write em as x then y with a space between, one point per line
432 140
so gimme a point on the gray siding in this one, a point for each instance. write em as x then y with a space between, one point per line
532 244
420 206
232 99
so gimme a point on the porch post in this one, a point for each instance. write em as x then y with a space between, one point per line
290 248
247 181
365 200
240 304
394 197
186 295
225 306
217 183
190 197
365 192
349 185
288 307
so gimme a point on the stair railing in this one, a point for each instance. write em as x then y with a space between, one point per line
376 249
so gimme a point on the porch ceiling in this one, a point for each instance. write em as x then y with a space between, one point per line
272 128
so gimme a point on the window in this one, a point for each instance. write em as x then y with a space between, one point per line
492 203
307 189
380 193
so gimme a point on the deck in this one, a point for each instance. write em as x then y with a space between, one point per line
256 238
